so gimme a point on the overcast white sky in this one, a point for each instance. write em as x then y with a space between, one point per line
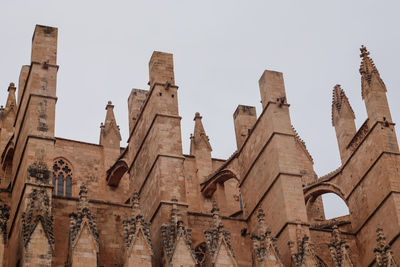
220 50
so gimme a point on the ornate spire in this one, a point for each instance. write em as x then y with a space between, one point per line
136 224
199 139
383 252
83 216
340 102
304 255
217 236
173 233
109 131
368 72
264 245
339 249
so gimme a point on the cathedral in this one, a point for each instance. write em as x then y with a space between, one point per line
71 203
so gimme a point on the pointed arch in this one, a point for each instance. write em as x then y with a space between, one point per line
62 177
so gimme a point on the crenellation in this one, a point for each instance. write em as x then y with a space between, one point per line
70 203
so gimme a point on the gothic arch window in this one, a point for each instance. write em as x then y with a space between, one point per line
62 178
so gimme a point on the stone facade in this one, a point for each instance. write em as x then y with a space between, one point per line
71 203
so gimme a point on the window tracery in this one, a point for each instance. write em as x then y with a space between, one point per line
200 252
62 178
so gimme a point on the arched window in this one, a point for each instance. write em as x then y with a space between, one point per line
62 178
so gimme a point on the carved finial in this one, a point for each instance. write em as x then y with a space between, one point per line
339 249
82 216
217 235
135 204
136 223
304 251
174 231
383 252
11 86
264 245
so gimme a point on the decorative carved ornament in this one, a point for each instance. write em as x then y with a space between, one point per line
339 250
176 230
264 245
370 76
39 172
304 255
383 252
359 136
83 216
4 216
136 224
216 236
37 210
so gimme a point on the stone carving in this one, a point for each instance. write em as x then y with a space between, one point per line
200 252
264 245
174 231
136 224
39 172
383 252
302 144
4 216
339 250
339 104
369 73
37 210
359 136
304 255
216 236
77 220
42 124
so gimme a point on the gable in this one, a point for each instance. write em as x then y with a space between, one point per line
182 254
139 254
224 257
84 253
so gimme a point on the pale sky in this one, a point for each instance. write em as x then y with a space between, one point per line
221 48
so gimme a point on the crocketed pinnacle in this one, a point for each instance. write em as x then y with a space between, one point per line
339 102
199 139
176 230
304 253
368 71
367 64
216 236
83 215
136 224
264 245
110 126
383 252
339 249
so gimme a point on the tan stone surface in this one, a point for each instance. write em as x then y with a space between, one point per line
271 170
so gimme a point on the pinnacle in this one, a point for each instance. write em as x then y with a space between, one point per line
339 98
367 66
